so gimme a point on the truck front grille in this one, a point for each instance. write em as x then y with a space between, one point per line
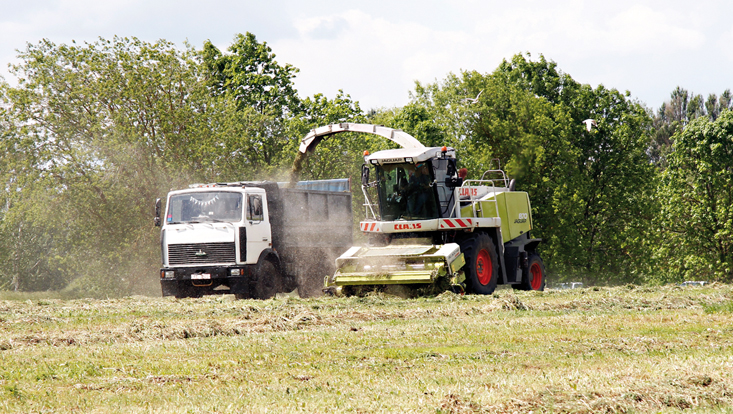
199 253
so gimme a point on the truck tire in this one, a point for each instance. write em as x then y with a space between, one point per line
169 288
267 280
482 265
533 277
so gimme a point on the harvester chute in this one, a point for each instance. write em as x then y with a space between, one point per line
315 136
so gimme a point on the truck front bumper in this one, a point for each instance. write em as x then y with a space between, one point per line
206 280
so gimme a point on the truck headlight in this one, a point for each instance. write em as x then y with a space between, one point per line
169 274
235 272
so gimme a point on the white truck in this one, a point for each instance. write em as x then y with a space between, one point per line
253 239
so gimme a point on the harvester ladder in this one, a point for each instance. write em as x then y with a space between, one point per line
368 206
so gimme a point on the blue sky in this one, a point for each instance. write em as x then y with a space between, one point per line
376 50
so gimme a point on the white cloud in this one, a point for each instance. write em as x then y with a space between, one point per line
372 58
725 44
376 50
377 59
578 30
639 29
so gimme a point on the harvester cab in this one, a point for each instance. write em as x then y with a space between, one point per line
429 229
412 184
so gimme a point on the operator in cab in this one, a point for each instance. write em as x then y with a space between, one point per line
418 191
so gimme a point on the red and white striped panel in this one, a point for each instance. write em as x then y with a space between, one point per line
464 223
370 226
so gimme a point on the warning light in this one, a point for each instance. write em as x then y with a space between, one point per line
366 153
444 148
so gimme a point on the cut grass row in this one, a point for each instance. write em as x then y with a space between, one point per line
624 349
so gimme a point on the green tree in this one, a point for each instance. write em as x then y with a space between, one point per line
257 102
251 76
249 145
93 133
606 200
109 125
340 156
697 215
26 244
591 190
419 121
674 115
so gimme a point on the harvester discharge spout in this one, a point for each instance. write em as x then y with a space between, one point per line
315 136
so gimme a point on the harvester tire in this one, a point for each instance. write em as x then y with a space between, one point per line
533 277
267 280
482 264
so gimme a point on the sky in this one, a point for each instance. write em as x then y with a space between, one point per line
376 50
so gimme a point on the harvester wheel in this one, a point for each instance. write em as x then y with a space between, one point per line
267 280
482 266
533 277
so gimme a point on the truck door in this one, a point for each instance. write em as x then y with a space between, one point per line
257 224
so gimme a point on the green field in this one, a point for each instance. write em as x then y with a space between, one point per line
621 349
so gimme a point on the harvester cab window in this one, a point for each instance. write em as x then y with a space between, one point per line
445 193
254 208
406 191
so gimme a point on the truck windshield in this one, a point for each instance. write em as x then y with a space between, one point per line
204 206
406 192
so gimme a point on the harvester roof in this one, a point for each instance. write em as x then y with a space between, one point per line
411 155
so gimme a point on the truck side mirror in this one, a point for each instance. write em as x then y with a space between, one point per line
364 175
156 220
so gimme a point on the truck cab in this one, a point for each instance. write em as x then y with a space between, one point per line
213 238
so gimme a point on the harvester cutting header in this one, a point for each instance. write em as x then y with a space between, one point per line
429 227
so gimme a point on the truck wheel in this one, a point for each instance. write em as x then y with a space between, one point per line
533 277
482 266
169 288
267 282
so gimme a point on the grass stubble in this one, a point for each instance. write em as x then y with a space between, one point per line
621 349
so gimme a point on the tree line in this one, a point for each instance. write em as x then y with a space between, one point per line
92 133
